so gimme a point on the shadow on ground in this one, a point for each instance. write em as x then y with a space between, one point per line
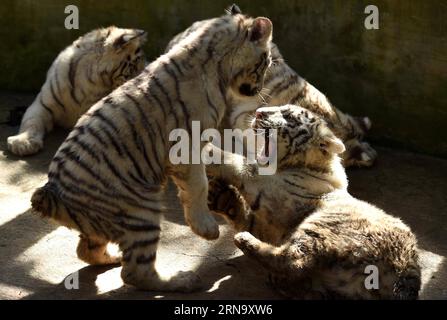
37 258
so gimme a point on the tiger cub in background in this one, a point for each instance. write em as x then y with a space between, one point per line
86 71
107 179
302 225
284 86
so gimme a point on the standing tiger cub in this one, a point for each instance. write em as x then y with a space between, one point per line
314 238
107 178
83 73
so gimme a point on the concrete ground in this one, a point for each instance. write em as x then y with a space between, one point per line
36 256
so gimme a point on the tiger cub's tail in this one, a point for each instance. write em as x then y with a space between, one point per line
46 202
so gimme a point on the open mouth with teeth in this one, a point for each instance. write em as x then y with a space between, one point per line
267 152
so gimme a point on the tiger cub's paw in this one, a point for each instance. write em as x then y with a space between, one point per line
94 251
368 150
203 224
246 241
360 154
23 145
367 156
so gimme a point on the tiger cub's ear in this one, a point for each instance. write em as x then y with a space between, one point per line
331 144
261 30
233 10
127 39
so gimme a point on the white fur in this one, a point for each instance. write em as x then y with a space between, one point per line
79 77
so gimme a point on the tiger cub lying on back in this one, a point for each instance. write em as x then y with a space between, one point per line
108 177
284 86
302 225
86 71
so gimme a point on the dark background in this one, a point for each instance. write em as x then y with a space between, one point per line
396 75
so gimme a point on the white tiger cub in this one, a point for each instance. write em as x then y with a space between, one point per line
301 223
86 71
284 86
107 178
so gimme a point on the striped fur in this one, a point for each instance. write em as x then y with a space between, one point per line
284 86
83 73
310 234
107 178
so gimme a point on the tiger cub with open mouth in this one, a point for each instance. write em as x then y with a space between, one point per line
303 226
284 86
83 73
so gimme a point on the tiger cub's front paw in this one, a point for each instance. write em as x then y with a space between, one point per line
23 145
369 155
203 224
244 240
359 154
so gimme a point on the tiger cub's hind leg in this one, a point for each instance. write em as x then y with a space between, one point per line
36 121
139 255
94 251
